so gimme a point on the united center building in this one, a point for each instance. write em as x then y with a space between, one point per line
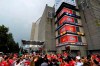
70 23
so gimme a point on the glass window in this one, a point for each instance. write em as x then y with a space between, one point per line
76 21
77 29
79 39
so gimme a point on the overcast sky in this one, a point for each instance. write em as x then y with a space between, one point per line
18 15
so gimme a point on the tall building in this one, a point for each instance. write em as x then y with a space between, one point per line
76 25
34 34
45 30
35 30
90 15
69 29
32 31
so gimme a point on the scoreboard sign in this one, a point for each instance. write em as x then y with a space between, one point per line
67 10
69 38
66 19
68 28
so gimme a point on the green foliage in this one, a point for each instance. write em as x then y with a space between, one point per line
7 43
3 35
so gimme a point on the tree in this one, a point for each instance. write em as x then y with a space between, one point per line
3 35
7 43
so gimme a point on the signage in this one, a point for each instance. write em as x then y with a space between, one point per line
66 19
69 38
68 28
32 42
67 10
59 2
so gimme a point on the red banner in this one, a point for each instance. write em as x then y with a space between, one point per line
65 10
67 19
69 38
68 28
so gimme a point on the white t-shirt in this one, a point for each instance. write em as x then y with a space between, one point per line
1 59
19 64
79 64
44 64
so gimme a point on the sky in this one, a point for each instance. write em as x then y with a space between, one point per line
18 15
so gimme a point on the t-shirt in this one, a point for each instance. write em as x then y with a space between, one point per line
10 62
27 63
79 64
17 64
4 63
72 63
66 64
44 64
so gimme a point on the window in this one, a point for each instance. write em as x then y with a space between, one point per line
76 21
50 15
77 29
79 39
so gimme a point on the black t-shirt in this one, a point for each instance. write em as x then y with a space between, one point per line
39 61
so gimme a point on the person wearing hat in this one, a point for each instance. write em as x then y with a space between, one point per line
78 61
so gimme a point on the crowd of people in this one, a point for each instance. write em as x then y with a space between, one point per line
39 59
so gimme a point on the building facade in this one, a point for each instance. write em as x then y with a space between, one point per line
76 24
45 30
90 14
69 29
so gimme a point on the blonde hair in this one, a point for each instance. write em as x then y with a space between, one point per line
33 62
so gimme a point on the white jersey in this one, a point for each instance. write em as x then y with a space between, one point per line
79 64
21 63
17 64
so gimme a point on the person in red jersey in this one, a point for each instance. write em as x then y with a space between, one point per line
27 63
72 62
66 62
5 62
63 63
11 61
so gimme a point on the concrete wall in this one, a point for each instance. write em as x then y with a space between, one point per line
74 48
90 14
32 31
45 29
50 31
36 32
